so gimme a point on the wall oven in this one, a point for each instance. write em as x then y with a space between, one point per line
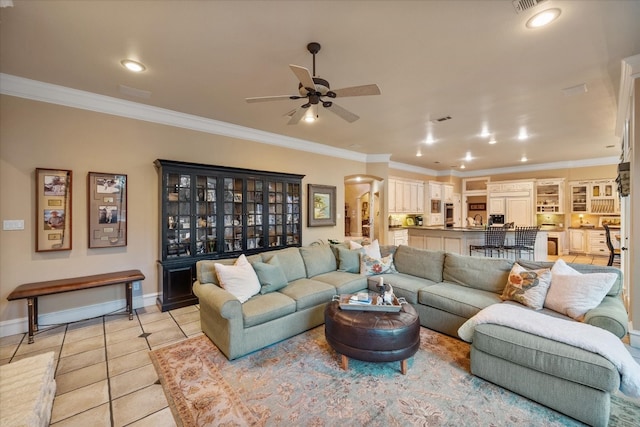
448 215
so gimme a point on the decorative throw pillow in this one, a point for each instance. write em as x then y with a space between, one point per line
528 287
373 249
349 260
270 275
239 279
575 294
370 266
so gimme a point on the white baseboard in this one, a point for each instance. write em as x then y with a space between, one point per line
21 326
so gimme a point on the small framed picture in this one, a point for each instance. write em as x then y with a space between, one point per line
53 210
321 206
107 206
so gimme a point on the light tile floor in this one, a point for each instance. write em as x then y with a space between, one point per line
104 374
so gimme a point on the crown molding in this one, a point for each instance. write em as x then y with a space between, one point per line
55 94
61 95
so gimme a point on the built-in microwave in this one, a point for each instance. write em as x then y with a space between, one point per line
436 206
448 214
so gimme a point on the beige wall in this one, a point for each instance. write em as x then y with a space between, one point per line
35 134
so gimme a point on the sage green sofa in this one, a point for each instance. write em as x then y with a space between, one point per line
446 290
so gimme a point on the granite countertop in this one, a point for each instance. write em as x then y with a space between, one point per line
479 228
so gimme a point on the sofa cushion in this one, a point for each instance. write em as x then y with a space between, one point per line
263 308
318 259
548 356
528 287
404 285
615 290
308 292
206 271
290 261
348 260
270 275
487 274
372 249
455 299
575 294
239 279
419 262
343 282
370 266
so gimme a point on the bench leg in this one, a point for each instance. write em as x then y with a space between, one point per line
32 308
129 292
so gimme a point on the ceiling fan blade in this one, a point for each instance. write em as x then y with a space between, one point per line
296 116
304 76
341 112
271 98
357 91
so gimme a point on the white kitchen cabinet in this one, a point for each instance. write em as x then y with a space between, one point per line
399 237
447 191
577 241
435 190
497 206
579 196
550 196
597 243
518 210
406 196
595 197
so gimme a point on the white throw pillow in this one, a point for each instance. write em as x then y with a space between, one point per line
372 250
239 279
573 293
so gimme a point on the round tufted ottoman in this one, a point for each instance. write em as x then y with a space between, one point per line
372 336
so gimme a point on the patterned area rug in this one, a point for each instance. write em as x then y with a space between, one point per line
299 382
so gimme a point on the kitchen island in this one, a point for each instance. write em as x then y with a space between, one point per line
457 240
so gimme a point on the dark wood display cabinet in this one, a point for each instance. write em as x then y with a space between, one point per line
214 212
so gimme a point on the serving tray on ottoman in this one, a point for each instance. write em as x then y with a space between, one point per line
346 304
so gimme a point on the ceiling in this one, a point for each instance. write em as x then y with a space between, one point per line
474 61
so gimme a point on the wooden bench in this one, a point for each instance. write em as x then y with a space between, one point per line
31 291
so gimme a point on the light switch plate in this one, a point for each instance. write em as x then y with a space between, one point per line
13 224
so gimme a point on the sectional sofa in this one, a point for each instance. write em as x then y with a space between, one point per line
446 290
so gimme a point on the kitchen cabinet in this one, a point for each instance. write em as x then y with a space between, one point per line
416 241
447 191
594 197
597 242
434 214
399 237
550 196
406 196
514 200
435 190
213 212
577 241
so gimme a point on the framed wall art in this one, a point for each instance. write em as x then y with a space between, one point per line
107 205
321 205
53 210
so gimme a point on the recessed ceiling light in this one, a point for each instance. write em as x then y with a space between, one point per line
462 166
468 157
492 140
430 139
134 66
543 18
523 134
419 154
524 159
485 132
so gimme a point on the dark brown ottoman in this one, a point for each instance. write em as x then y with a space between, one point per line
372 336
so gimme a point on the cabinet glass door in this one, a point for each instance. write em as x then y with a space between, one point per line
276 213
232 217
255 203
579 198
178 215
205 220
293 214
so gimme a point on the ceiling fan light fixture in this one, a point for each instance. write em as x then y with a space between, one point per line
134 66
543 18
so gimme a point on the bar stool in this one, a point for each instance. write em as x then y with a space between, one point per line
613 252
493 241
525 241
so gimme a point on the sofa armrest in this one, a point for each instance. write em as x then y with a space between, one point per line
610 315
215 298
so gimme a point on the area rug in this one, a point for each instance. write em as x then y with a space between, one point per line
299 382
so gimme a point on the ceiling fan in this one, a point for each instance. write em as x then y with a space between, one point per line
314 90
